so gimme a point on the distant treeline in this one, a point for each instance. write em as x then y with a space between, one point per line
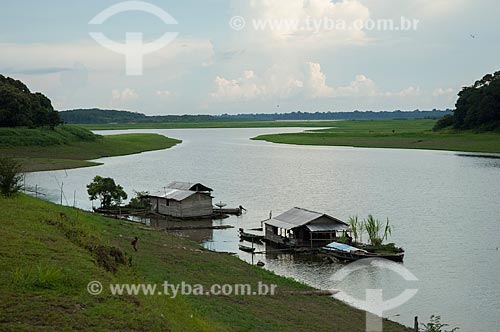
356 115
99 116
21 108
477 108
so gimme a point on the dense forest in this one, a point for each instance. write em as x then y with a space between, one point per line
477 108
98 116
21 108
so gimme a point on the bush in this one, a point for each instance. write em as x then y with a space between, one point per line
10 177
445 122
140 201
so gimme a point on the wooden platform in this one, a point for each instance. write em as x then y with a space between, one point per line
235 211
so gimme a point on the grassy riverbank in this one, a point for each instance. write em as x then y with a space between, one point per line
50 253
194 125
71 146
401 134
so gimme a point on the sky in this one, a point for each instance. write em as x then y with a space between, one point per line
250 56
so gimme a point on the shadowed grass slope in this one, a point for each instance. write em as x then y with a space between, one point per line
50 253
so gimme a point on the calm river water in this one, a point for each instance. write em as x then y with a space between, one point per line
444 207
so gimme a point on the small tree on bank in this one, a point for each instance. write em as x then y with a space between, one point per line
107 191
435 325
10 177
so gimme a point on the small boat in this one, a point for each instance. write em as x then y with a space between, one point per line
246 249
250 237
346 252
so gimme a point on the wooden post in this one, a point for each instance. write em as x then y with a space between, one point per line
62 185
415 324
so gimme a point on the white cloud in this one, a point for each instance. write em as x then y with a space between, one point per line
443 92
303 21
275 82
311 83
126 94
362 86
317 82
164 93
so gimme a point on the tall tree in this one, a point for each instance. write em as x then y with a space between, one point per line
478 106
20 107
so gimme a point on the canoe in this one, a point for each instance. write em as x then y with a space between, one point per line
246 249
251 237
348 253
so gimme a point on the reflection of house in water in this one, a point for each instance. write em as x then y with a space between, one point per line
303 228
201 234
183 200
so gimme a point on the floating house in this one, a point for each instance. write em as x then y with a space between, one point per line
304 228
183 200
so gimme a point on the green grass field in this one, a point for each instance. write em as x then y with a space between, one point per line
71 147
50 253
401 134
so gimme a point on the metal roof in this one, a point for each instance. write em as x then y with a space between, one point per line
174 194
188 186
279 224
326 227
297 217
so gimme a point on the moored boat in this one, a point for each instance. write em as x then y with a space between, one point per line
246 249
349 253
250 237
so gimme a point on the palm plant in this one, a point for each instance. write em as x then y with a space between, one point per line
374 229
356 227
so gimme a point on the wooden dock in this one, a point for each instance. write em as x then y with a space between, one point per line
231 211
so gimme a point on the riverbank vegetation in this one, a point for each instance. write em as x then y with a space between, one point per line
10 177
214 124
477 108
400 134
30 132
20 107
101 116
71 147
51 253
377 233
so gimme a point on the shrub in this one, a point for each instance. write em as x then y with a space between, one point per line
445 122
10 177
